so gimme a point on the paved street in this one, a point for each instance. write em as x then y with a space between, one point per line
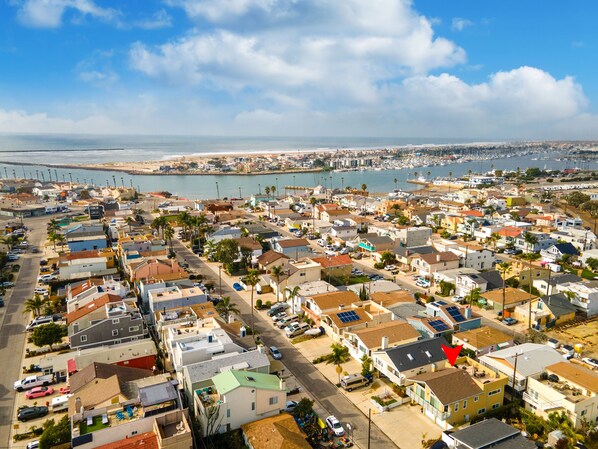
12 327
311 379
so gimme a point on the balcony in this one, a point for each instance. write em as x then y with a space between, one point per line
542 404
442 416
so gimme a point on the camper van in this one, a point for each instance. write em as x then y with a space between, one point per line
353 381
60 403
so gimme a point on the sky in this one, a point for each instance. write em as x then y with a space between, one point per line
493 69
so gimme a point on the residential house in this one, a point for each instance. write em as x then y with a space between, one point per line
428 264
280 432
544 241
546 312
156 269
223 233
509 235
379 337
79 294
331 215
374 243
526 361
489 433
84 237
558 251
483 340
237 398
404 255
542 285
582 239
85 264
471 254
566 387
253 247
487 280
271 259
307 290
174 296
412 236
324 207
513 297
459 318
293 248
199 375
584 296
353 317
295 273
321 303
456 395
401 363
335 266
105 322
343 233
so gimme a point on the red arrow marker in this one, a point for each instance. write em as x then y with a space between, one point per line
452 353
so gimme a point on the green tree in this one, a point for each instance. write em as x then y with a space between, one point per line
446 288
338 356
34 305
292 293
387 258
473 296
48 335
530 240
277 272
55 433
226 252
226 308
252 279
159 223
363 294
493 239
504 268
364 187
52 226
366 366
130 222
592 262
576 199
168 235
304 408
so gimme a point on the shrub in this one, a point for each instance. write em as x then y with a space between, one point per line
379 265
258 304
268 304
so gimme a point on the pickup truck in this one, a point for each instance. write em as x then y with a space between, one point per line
30 382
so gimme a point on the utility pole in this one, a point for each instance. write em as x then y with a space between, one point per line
369 426
514 374
530 295
217 191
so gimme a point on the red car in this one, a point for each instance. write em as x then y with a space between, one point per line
65 390
39 392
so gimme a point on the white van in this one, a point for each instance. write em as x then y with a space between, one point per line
353 381
281 324
38 321
60 403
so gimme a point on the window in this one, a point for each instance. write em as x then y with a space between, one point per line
134 329
481 411
476 399
228 412
495 406
465 403
114 332
493 392
274 400
253 406
583 412
115 321
456 406
83 338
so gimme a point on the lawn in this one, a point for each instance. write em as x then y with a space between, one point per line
97 425
585 273
352 280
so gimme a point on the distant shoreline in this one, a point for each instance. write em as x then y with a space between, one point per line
178 173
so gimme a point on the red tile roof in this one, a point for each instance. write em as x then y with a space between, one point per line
82 255
146 440
86 286
292 243
510 231
472 213
333 261
97 303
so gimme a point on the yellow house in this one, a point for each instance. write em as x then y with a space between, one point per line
451 222
455 395
513 201
547 311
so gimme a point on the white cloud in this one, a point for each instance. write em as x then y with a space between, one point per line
160 19
49 13
459 24
97 69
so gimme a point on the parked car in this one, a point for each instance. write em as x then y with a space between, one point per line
27 413
41 290
279 316
424 283
8 284
291 406
65 390
591 361
276 354
1 302
39 392
510 321
35 250
335 426
33 444
237 287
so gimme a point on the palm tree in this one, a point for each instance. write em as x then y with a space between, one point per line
267 190
292 293
53 237
364 187
313 201
504 268
130 221
159 223
493 239
530 240
183 220
395 181
53 226
277 272
273 190
34 305
338 356
473 296
226 308
252 279
168 235
61 239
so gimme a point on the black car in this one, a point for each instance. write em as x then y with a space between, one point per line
27 413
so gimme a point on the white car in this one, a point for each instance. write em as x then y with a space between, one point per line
590 361
40 291
290 407
335 426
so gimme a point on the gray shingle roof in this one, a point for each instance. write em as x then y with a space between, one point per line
414 355
491 433
202 371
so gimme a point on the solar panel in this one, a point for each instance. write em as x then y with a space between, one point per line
347 317
438 325
441 303
455 313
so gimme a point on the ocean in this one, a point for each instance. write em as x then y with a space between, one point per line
50 149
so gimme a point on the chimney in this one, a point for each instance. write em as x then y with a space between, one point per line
231 319
261 349
243 331
79 405
340 306
407 253
438 257
468 313
384 343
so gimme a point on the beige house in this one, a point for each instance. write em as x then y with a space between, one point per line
567 387
428 264
381 336
483 340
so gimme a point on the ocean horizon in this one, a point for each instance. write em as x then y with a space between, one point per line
86 148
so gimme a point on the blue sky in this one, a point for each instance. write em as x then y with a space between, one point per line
496 69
